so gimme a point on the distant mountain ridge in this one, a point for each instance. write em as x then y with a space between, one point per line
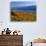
26 8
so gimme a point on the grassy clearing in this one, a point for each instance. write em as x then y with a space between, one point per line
23 16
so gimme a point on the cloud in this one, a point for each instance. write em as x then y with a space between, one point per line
21 4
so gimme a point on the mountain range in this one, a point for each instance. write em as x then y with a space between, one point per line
26 8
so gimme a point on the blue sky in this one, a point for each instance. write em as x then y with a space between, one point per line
22 4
